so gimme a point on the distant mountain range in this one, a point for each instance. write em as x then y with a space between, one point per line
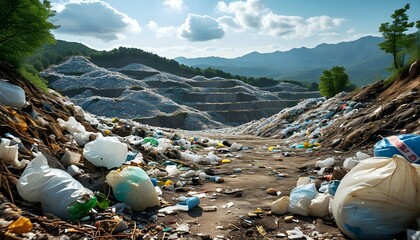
362 58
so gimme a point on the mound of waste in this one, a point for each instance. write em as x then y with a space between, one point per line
139 92
59 161
348 120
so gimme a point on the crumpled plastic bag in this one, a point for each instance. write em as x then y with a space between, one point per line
71 125
378 198
58 192
301 197
11 95
106 152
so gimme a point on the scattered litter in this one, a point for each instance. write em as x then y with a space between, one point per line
294 234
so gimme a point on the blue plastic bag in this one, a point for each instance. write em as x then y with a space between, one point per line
406 145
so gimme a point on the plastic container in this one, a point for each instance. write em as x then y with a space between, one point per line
9 154
11 95
106 152
329 162
58 192
189 202
280 206
350 163
133 187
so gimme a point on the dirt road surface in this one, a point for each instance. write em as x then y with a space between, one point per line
246 179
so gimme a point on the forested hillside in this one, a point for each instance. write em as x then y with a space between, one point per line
119 57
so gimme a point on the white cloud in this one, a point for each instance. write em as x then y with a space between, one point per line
247 14
253 15
174 4
161 31
227 22
198 28
93 18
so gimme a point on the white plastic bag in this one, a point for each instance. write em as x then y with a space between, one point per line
71 125
11 95
378 198
106 152
54 188
132 186
300 198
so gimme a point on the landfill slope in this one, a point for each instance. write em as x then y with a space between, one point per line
150 96
347 121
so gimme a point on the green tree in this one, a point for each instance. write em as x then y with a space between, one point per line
396 41
333 81
24 27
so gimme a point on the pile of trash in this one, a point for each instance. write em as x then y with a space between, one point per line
347 121
68 173
368 197
55 154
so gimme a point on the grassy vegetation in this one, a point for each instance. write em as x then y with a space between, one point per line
34 79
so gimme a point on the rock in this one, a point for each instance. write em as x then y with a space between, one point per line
414 70
288 219
272 191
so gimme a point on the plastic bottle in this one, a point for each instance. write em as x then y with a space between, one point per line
350 163
325 163
58 192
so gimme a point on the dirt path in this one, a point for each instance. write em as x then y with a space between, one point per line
254 171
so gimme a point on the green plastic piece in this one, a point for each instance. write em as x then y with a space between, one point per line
81 207
102 201
152 141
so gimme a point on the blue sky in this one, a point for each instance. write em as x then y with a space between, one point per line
225 28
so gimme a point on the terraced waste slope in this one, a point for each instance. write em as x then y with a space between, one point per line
230 101
161 99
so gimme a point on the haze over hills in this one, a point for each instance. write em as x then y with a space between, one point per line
362 58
